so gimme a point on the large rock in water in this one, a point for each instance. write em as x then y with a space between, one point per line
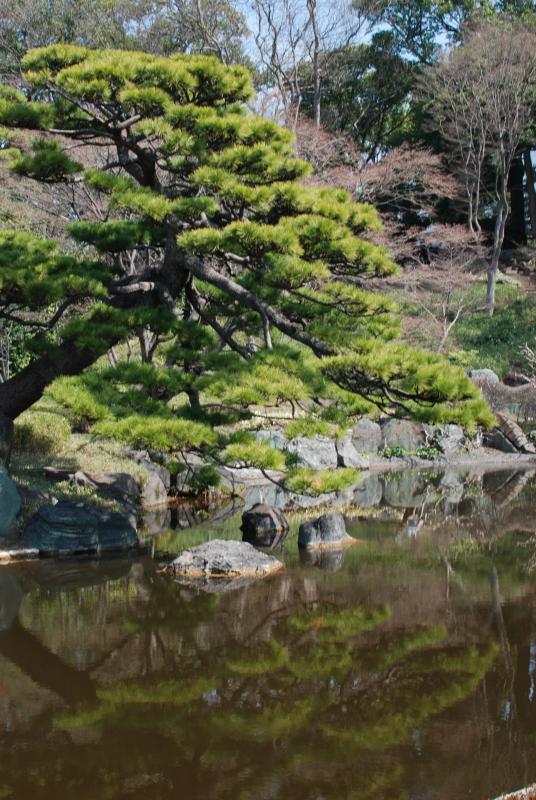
9 502
326 532
220 558
70 528
264 526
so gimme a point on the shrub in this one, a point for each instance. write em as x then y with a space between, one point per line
307 481
39 431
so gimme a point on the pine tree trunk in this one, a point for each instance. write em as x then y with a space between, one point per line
28 385
316 61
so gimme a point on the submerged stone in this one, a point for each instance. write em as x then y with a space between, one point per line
328 531
264 526
220 558
69 528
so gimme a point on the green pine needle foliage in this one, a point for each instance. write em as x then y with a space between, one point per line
202 237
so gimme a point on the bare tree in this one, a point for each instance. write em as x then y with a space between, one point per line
481 98
289 34
440 279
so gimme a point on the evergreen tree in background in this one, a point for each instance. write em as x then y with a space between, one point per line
246 287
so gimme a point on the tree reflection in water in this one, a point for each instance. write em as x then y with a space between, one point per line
365 683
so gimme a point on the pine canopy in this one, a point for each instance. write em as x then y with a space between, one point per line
249 285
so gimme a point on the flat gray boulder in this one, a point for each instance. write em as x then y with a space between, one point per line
9 502
348 455
484 375
71 528
221 558
450 438
403 433
316 452
367 436
326 532
264 526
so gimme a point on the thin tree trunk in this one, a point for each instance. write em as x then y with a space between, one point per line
498 238
531 190
316 61
498 233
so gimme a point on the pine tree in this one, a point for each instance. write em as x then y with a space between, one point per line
248 286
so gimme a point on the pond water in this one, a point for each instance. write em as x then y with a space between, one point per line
404 667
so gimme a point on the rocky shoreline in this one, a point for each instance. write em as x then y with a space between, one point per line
128 503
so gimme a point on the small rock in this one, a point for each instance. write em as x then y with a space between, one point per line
367 436
264 526
403 433
317 452
347 454
118 484
450 438
155 490
484 375
328 531
220 558
498 441
514 434
69 528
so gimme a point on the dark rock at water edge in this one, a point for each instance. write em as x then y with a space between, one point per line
328 531
222 558
9 502
264 526
71 528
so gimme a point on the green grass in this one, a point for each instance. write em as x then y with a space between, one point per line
495 342
43 438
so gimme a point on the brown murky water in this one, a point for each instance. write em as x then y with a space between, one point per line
402 668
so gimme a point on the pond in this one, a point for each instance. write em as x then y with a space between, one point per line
404 667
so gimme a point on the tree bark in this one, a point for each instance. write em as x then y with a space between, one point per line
28 385
516 233
531 190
